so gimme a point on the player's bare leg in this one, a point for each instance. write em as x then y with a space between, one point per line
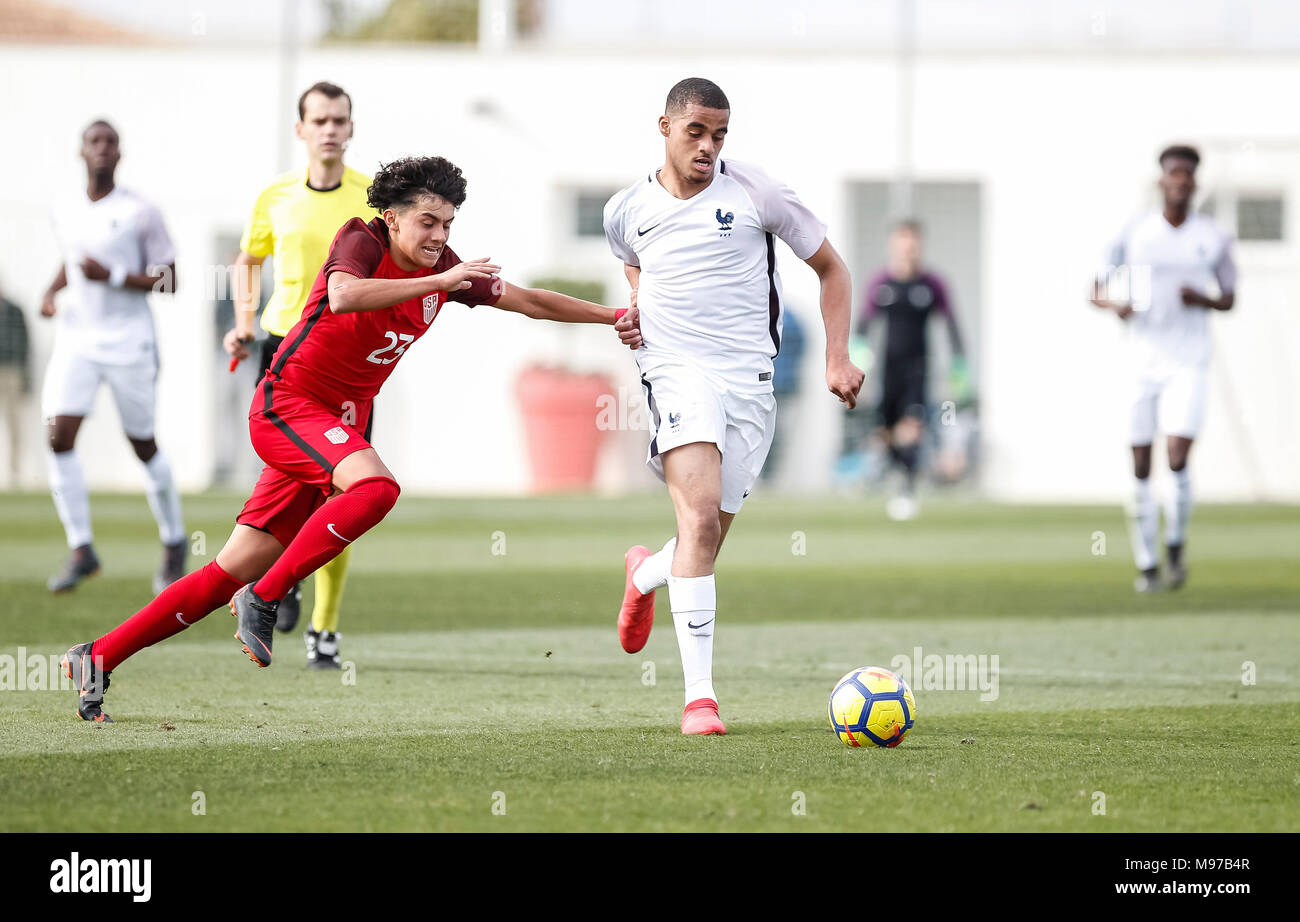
1178 509
1144 522
694 476
165 504
71 499
365 491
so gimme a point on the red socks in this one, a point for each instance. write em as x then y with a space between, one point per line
331 528
193 596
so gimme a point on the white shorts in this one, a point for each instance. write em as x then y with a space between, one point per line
72 380
687 406
1173 399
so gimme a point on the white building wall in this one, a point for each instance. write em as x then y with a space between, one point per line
1064 146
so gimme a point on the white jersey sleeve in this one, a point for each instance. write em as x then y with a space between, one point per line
615 227
780 209
155 243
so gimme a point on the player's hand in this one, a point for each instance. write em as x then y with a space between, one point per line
236 347
95 270
628 327
844 380
462 275
1123 310
1192 297
48 307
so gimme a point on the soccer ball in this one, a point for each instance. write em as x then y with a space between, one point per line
872 706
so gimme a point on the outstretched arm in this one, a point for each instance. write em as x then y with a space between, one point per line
843 378
541 304
350 294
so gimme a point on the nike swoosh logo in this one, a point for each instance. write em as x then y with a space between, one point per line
182 620
690 625
330 526
642 233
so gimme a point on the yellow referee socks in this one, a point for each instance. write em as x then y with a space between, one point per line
330 580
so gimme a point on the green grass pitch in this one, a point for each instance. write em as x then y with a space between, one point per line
490 693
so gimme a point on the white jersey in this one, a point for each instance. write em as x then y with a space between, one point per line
709 293
101 322
1160 259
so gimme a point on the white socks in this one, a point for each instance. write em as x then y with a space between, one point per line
654 570
68 487
694 601
1145 519
1178 508
164 501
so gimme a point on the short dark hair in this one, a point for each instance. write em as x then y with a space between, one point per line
326 89
910 225
402 182
97 123
695 91
1181 152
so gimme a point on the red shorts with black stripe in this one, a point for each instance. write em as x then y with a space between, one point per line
302 441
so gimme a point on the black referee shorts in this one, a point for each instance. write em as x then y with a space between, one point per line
903 391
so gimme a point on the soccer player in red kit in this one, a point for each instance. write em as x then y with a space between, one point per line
323 485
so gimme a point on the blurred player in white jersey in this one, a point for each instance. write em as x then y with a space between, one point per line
115 251
1161 278
697 238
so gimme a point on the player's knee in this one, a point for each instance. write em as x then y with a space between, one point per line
61 442
700 527
144 449
1177 462
382 492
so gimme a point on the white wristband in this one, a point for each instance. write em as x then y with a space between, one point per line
117 276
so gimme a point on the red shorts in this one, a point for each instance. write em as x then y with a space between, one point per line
301 440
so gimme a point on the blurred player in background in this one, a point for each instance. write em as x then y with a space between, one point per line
324 486
15 379
295 218
907 294
1159 276
697 238
115 251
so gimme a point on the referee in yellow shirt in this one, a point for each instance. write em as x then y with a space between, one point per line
295 219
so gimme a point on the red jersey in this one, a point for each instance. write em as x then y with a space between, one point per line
343 359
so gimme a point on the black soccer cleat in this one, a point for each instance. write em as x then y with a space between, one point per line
256 627
91 681
81 565
290 608
1148 581
172 567
322 649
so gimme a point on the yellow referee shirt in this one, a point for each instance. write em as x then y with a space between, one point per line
296 224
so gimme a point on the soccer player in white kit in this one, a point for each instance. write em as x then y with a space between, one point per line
115 251
1167 262
697 238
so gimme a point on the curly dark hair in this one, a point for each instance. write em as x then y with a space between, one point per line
402 182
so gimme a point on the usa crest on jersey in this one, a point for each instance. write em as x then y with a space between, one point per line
430 307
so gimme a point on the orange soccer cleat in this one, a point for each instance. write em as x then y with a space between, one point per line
700 717
637 615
